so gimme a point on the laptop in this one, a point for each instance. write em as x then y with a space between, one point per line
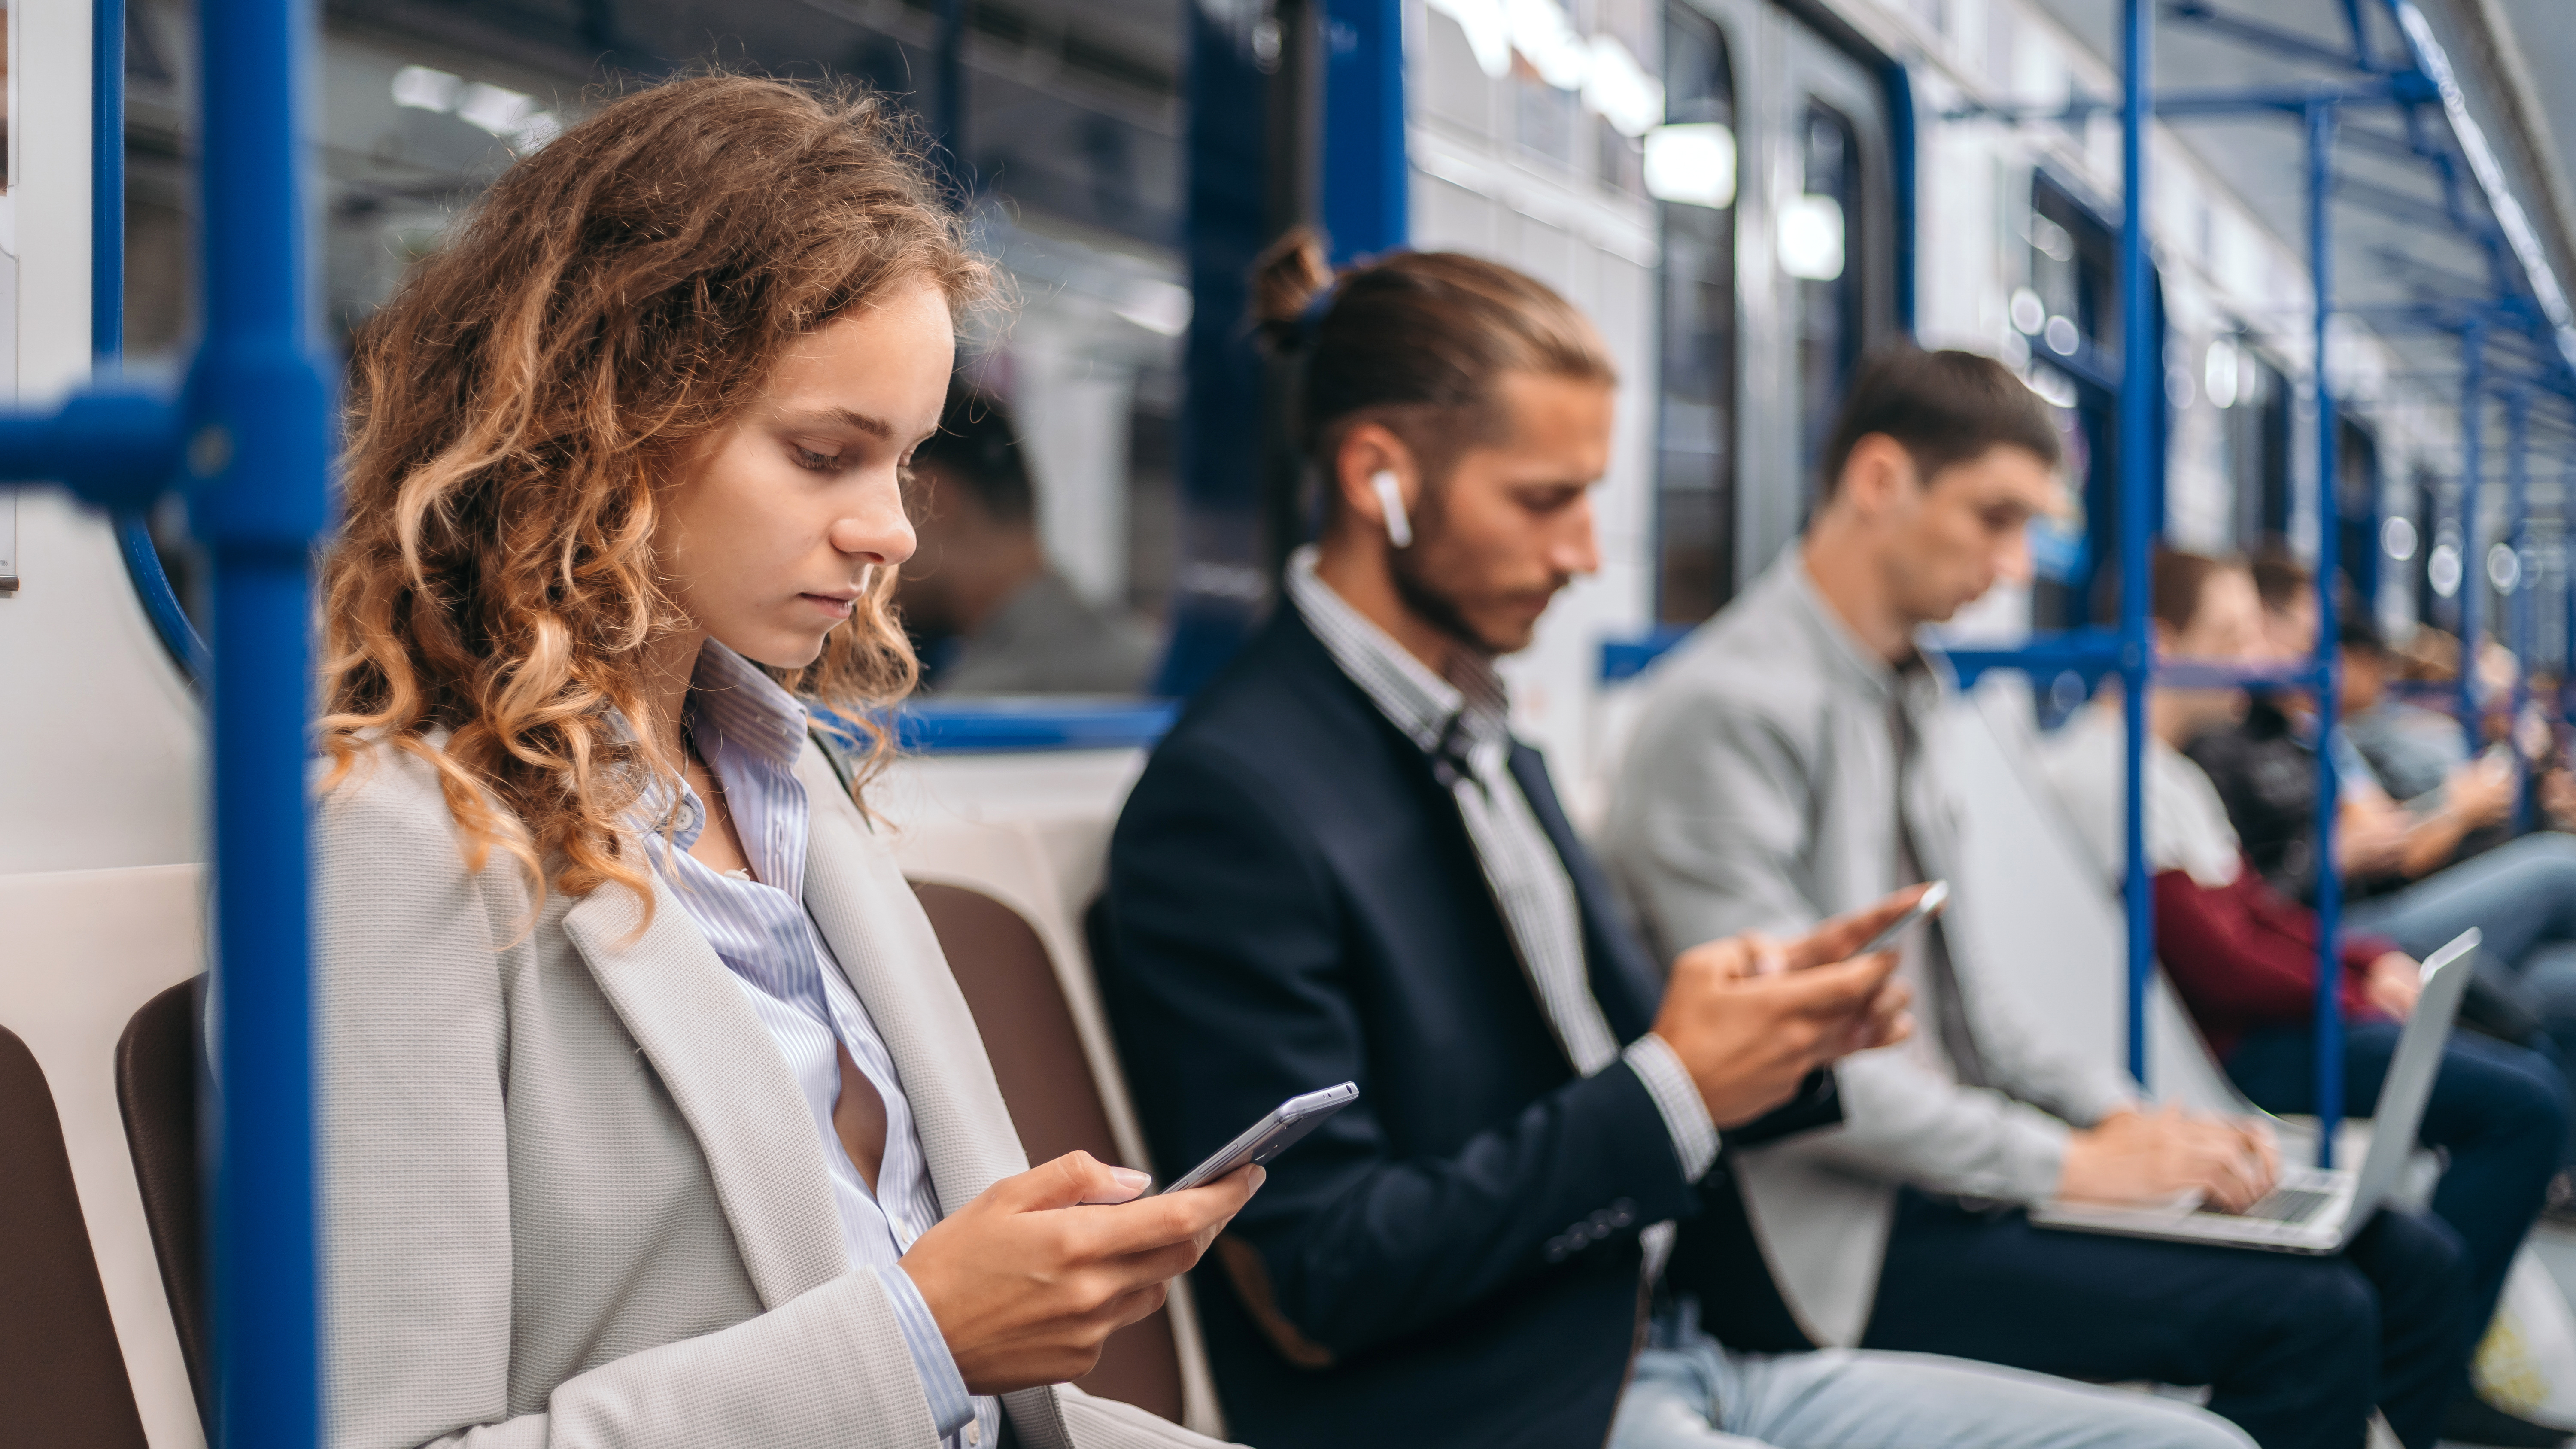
2313 1210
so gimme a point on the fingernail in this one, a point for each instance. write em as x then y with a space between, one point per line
1260 1175
1130 1179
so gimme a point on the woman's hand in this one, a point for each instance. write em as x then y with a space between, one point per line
1028 1280
2396 980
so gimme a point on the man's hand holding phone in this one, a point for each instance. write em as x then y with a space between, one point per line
1751 1016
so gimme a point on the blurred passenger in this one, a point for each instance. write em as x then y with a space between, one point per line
1341 865
2244 958
2400 884
2265 768
2411 750
650 1114
1782 772
988 612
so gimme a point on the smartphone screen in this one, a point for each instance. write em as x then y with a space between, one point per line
1275 1133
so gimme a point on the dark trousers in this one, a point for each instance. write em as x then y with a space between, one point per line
2296 1350
2497 1111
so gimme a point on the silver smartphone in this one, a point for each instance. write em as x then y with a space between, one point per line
1270 1136
1921 911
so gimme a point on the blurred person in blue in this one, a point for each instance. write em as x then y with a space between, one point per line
1340 865
1788 766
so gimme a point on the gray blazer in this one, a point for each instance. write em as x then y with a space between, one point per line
571 1195
1762 793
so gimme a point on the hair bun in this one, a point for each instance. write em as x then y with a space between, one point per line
1290 277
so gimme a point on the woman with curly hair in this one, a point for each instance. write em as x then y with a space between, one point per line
651 1114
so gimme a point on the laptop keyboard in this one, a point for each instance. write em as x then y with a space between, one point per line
2285 1205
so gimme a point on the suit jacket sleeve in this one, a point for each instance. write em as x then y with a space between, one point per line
412 955
1235 982
1717 842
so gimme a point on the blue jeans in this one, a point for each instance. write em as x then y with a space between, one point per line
1690 1392
2520 895
2499 1111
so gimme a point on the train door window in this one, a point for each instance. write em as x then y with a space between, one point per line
1817 117
2258 449
2074 294
1691 172
1815 228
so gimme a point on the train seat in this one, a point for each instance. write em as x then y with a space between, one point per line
62 1375
158 1064
1006 853
87 950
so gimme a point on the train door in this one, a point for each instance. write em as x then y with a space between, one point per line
1816 254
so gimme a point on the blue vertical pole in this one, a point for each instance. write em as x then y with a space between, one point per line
2141 378
107 180
2520 602
2329 1010
1365 175
2473 462
258 428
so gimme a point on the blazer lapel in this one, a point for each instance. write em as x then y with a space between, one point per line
726 1076
865 909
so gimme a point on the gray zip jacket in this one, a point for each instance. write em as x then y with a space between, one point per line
1762 793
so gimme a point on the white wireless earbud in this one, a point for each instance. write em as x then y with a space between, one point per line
1399 529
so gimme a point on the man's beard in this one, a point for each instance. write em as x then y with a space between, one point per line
1414 586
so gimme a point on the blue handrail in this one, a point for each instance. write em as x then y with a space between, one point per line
2141 383
107 318
251 434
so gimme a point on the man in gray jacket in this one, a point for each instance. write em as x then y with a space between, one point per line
1784 772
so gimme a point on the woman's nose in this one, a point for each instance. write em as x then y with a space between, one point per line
885 540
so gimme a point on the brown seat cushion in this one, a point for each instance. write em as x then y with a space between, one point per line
62 1375
157 1064
1010 985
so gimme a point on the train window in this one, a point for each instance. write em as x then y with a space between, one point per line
2071 309
2257 450
1818 230
1067 133
1691 173
2357 507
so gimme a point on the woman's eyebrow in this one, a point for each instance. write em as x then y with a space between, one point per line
874 427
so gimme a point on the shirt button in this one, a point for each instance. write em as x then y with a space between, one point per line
974 1433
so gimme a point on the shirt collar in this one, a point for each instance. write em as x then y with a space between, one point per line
734 699
1917 683
1472 701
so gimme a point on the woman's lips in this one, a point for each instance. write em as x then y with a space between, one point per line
837 608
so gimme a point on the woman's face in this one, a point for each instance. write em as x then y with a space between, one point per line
776 522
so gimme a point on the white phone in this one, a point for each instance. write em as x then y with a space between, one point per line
1923 910
1272 1135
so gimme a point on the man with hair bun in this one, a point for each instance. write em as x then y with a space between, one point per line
1787 767
1340 865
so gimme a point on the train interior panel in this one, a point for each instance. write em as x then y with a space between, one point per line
2330 337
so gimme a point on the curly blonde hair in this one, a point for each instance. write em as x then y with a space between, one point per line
513 413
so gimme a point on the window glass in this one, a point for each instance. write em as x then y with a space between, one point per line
1069 131
1690 170
1819 229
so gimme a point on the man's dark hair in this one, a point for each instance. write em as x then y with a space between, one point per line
977 449
1943 408
2279 576
2176 583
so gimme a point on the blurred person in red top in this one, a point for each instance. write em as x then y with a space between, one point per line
2243 956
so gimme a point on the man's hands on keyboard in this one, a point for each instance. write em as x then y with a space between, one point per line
2132 1157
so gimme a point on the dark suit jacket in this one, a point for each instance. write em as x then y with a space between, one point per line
1293 901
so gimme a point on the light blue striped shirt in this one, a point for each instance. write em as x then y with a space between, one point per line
750 732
